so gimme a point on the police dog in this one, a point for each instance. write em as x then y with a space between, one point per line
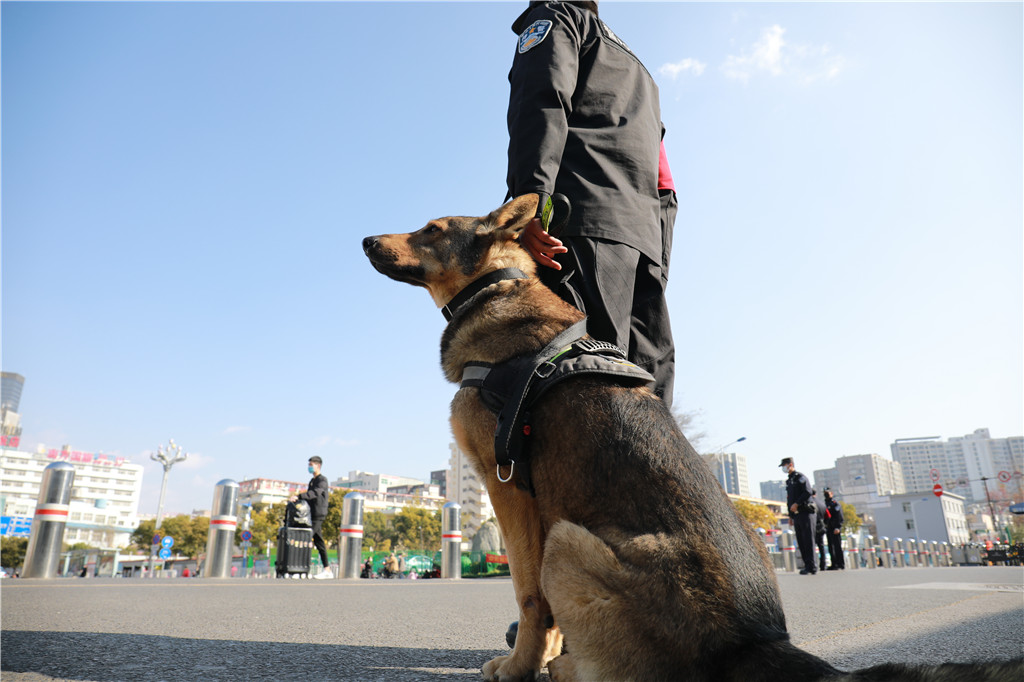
623 542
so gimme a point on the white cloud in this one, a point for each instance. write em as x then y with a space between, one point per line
686 65
332 441
773 55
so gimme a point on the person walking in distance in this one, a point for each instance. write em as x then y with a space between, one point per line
316 495
802 513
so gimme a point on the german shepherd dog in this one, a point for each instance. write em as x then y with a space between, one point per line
626 544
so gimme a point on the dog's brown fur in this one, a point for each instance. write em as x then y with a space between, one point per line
630 548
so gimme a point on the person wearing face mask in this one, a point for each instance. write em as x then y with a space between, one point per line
316 495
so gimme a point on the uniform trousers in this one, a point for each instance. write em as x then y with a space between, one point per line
835 549
622 292
804 526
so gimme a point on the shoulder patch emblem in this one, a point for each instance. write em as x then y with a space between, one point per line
534 35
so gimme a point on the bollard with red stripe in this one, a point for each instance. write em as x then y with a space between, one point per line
451 540
47 535
350 535
788 551
223 522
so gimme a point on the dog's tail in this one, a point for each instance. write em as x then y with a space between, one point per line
1000 671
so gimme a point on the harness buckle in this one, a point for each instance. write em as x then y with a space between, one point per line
511 470
545 369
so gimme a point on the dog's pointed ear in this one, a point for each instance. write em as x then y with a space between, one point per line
509 220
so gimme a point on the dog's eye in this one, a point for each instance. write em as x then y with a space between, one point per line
431 229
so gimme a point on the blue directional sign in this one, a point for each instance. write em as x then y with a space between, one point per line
165 553
15 526
167 542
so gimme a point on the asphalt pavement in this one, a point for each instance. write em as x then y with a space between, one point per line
188 629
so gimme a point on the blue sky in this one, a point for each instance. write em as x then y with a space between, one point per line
186 185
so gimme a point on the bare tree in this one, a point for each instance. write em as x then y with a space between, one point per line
688 425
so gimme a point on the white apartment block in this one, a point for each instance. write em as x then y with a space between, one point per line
467 488
965 465
923 516
105 493
364 480
731 471
865 481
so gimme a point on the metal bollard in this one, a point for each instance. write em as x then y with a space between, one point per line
922 553
350 536
947 560
886 550
451 540
909 553
896 545
788 552
854 552
933 550
223 522
870 558
47 534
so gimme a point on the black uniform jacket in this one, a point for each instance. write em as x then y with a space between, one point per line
584 120
835 510
316 495
798 491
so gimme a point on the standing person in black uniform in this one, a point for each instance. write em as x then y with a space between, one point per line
584 120
819 528
801 513
316 495
834 531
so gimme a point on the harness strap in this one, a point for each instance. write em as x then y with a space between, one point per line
507 438
478 285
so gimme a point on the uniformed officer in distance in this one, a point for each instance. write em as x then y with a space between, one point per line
801 513
834 531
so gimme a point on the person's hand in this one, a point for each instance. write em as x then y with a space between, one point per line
293 498
541 245
835 531
793 508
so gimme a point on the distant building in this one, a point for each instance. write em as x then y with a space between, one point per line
466 488
440 479
11 385
105 492
731 471
364 480
268 491
965 464
923 516
773 490
865 481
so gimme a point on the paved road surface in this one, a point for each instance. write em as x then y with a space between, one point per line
184 630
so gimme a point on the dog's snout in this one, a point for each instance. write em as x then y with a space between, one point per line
370 243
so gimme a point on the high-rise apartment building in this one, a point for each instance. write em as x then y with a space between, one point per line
11 385
865 481
466 488
965 465
731 471
773 490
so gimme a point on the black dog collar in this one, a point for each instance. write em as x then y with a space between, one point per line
477 286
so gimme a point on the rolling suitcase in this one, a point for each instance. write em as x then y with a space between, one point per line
294 552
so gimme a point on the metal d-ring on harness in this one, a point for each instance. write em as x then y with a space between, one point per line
510 388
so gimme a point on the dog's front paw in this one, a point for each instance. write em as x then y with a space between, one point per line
508 669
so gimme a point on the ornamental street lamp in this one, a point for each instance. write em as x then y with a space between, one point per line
167 458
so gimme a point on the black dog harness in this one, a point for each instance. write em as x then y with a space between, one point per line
510 388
